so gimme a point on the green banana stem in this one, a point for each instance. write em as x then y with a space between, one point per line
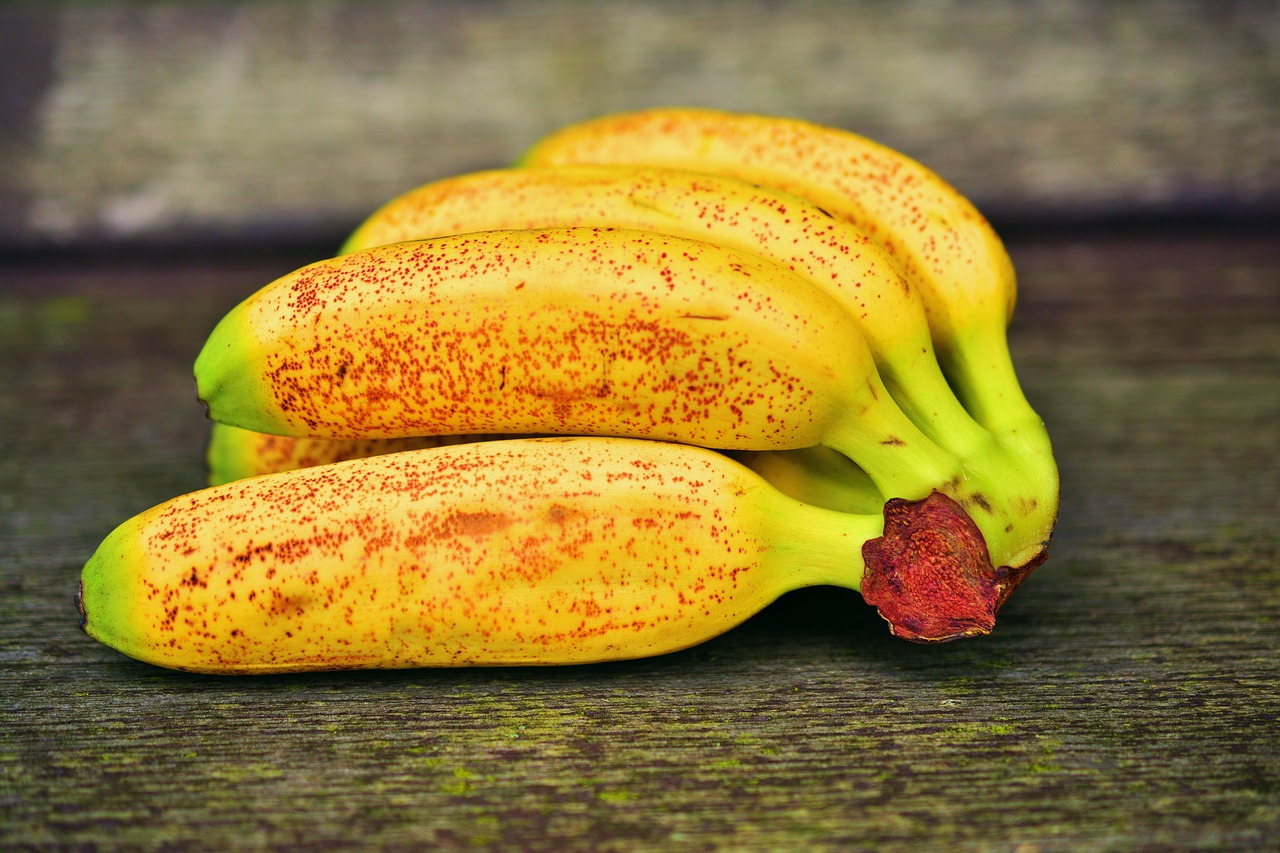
925 396
816 475
980 368
901 460
1006 483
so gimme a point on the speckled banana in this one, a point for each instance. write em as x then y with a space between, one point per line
816 475
565 331
773 224
526 551
941 242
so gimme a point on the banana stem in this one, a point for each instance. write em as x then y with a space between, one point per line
1005 483
815 546
923 565
980 368
927 399
900 459
816 475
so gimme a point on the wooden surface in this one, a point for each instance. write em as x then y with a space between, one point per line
136 120
1127 700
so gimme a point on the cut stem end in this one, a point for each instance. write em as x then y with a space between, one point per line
930 574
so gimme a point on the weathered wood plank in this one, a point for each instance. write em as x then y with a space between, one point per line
1128 699
178 121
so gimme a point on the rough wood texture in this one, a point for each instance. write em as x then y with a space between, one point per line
1127 700
176 121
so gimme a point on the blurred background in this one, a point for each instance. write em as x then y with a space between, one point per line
273 123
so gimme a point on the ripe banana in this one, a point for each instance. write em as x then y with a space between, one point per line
816 475
775 225
525 551
573 331
940 241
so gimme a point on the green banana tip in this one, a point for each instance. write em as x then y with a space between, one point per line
202 397
930 575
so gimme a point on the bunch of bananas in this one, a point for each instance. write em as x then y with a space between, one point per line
607 403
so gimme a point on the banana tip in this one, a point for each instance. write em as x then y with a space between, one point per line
84 617
930 575
203 402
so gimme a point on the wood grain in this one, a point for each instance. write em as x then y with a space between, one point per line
141 121
1127 700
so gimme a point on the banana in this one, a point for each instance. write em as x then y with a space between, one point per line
565 331
524 551
775 225
941 242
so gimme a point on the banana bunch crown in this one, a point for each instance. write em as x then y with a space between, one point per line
607 403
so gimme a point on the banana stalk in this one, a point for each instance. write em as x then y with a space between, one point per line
523 551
